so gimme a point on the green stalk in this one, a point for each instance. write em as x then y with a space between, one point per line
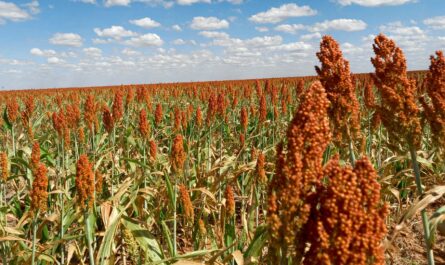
88 237
62 210
425 221
174 220
34 235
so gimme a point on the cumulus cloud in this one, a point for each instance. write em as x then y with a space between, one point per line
109 3
289 28
44 53
278 14
66 39
410 38
343 24
145 22
435 22
146 40
214 34
262 29
311 36
10 11
209 23
190 2
176 28
370 3
115 32
93 51
55 60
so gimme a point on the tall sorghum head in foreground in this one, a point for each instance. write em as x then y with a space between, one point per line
90 111
107 119
290 194
12 109
244 119
99 183
398 110
153 149
198 117
59 122
158 114
4 166
27 114
435 88
368 96
118 106
263 108
85 182
144 127
186 204
177 154
35 156
39 193
230 202
335 76
260 171
129 98
349 226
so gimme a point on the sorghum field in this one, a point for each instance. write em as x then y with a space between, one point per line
330 169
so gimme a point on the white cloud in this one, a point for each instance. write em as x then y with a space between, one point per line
374 2
339 24
278 14
45 53
435 22
214 34
66 39
149 39
190 2
176 28
409 38
311 36
209 23
10 11
289 28
349 48
86 1
262 29
290 47
145 22
54 60
130 52
33 7
109 3
179 42
93 51
115 32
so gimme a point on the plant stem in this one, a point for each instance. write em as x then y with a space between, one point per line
425 221
88 236
34 235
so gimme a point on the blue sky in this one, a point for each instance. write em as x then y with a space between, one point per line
65 43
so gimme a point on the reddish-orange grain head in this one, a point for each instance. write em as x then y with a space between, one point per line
186 203
85 182
158 114
4 166
336 78
230 202
177 154
39 192
144 127
398 110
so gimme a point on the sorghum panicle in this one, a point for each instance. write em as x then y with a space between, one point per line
85 182
39 193
186 203
398 110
